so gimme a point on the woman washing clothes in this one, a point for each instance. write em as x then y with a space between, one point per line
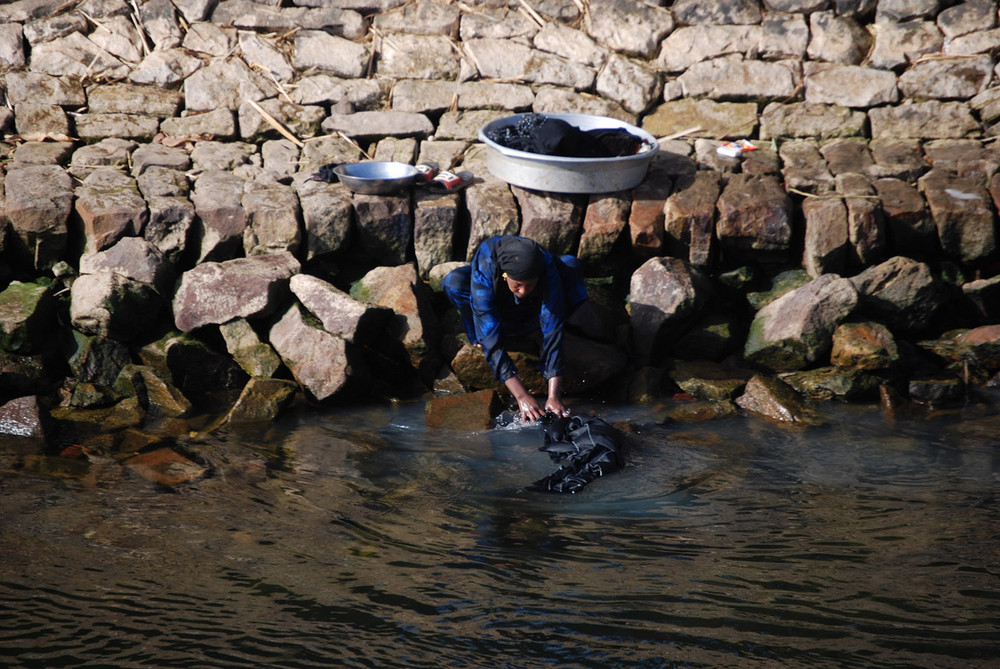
514 287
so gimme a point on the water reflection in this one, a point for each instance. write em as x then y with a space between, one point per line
360 538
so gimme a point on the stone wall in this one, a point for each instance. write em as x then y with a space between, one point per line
157 200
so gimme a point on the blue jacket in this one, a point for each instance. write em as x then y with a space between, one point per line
498 313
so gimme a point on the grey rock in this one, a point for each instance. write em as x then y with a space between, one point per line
435 230
963 213
27 317
39 200
379 124
165 67
327 213
733 78
218 124
905 10
967 17
246 14
384 227
255 357
422 96
492 211
273 219
692 44
421 18
131 99
110 207
108 304
159 21
259 52
215 293
494 95
837 39
43 153
118 36
634 29
464 125
158 396
97 360
52 27
94 127
403 56
908 221
330 53
218 202
689 217
339 313
76 56
955 78
783 36
501 59
133 258
973 43
214 155
555 100
804 119
300 121
24 417
149 156
318 360
41 88
280 158
865 224
553 220
664 293
415 324
224 83
499 24
795 330
573 45
210 39
170 225
803 166
629 83
850 86
897 158
846 156
754 218
41 122
924 120
901 292
12 46
693 12
899 44
826 240
773 399
162 181
261 401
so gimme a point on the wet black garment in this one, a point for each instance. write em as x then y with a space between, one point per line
588 447
537 133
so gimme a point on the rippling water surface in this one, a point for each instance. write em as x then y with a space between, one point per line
359 538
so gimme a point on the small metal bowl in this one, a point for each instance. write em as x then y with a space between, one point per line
376 177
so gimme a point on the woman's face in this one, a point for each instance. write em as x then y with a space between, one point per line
520 288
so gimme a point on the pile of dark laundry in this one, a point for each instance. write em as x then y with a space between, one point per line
588 447
545 135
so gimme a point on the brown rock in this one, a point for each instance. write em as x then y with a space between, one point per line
466 411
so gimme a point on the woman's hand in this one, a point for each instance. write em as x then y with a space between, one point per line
554 405
526 403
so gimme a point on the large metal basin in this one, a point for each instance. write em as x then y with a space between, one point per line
558 174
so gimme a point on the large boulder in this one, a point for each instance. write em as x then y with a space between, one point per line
665 293
217 292
902 293
794 331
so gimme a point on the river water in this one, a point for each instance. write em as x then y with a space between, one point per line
357 537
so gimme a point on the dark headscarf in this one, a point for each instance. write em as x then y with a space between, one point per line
519 258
